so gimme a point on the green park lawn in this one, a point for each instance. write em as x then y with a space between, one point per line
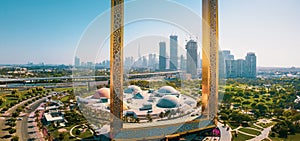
242 137
86 134
12 99
267 124
249 131
64 99
253 126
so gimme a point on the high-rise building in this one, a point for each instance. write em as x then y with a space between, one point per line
173 52
77 61
182 63
240 68
225 55
152 61
251 65
162 56
192 57
230 66
144 64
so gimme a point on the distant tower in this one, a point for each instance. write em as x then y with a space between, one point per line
144 64
139 51
77 61
173 52
251 65
241 68
182 63
162 56
191 55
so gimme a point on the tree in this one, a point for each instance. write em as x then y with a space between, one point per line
262 108
62 136
148 116
278 112
15 114
15 138
12 130
161 114
2 100
77 132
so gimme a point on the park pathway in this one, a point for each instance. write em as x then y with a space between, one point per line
225 135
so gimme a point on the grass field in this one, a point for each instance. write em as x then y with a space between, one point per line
252 126
241 137
64 99
267 124
249 131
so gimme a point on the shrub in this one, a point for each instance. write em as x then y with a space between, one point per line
77 132
15 138
272 134
11 131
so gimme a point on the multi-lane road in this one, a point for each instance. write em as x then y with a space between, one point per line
21 125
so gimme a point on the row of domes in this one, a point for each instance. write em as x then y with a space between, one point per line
167 101
105 92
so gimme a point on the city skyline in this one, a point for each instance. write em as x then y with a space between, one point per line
50 37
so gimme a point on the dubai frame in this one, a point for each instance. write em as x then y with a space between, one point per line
209 62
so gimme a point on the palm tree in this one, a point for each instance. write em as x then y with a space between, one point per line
2 100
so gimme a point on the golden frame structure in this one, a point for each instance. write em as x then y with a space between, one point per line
116 66
210 57
209 63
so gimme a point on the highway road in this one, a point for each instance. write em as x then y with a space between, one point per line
22 125
4 135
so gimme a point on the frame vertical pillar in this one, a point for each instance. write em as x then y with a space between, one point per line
116 66
210 52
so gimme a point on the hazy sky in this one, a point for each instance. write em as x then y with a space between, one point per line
50 30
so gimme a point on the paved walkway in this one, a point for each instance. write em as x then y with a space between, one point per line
225 135
264 134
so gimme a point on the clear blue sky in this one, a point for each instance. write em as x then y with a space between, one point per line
49 30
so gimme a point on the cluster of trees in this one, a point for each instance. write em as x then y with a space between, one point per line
288 123
11 122
235 117
141 83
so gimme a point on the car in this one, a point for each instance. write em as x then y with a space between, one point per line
19 118
149 111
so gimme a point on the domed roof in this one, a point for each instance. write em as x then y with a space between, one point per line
167 89
133 88
103 92
168 101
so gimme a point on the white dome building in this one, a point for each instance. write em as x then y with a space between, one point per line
167 90
168 101
133 89
102 93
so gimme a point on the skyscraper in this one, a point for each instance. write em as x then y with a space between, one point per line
77 61
191 55
182 63
224 70
144 64
240 68
162 56
251 65
173 52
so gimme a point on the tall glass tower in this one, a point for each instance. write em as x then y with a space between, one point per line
173 52
191 55
162 56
